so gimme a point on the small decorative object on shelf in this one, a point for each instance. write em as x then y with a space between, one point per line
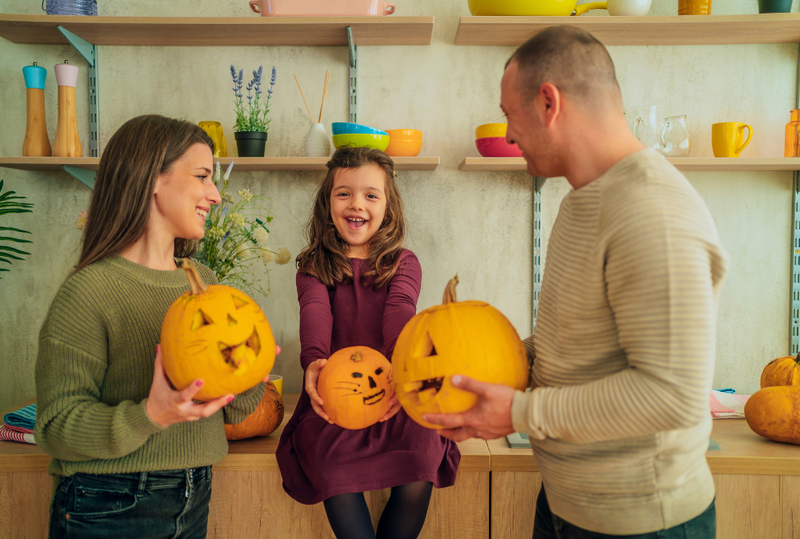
214 130
774 6
317 143
321 8
694 7
791 146
9 204
727 137
675 141
252 125
71 7
236 236
36 143
67 143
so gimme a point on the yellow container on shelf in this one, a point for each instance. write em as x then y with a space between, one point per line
214 130
491 130
791 146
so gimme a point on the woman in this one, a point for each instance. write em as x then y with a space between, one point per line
131 456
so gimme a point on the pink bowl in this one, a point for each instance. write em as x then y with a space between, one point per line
497 147
321 8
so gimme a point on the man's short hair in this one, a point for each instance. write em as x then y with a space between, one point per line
571 59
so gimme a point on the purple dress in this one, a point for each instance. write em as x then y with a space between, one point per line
319 460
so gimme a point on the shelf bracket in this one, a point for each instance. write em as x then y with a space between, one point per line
86 177
89 53
353 77
794 313
536 248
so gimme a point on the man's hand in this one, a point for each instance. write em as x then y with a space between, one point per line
490 418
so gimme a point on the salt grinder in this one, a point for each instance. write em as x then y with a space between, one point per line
67 143
36 143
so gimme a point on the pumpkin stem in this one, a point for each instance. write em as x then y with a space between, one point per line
450 291
356 356
197 284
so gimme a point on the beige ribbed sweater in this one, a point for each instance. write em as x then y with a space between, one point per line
94 370
623 352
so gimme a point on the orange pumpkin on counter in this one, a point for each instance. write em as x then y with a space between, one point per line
784 371
774 413
470 338
216 333
263 421
356 386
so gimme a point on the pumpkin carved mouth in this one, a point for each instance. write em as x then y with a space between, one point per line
241 356
376 398
424 390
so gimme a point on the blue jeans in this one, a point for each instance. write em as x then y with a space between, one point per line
145 505
546 525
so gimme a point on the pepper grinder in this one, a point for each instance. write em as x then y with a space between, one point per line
67 143
36 143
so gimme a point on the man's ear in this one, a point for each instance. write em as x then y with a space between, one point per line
549 103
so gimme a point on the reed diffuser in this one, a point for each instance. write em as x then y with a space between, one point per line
317 142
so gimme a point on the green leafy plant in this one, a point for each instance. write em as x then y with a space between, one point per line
236 238
9 204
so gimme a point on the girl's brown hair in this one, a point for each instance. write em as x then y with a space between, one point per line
136 154
325 257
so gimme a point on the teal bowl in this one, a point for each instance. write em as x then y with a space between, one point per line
346 128
379 142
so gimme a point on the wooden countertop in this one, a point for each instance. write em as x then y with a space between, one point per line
255 454
741 452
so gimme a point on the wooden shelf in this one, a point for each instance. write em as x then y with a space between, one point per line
242 164
673 30
218 31
686 164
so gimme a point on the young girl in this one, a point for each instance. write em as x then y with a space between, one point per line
357 286
131 456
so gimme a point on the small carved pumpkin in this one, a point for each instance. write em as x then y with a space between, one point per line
356 386
216 333
774 413
470 338
263 421
784 371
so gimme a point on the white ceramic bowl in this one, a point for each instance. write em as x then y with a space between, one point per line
628 8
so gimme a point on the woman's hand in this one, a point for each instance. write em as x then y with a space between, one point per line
312 375
165 406
394 407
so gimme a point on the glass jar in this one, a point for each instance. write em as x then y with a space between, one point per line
214 130
791 146
675 141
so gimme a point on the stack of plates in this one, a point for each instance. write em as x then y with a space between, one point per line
71 7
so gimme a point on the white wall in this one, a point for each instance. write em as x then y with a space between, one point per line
476 224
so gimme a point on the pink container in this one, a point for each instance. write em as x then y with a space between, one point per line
497 147
321 8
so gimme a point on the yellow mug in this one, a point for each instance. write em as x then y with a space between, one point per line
277 381
726 138
214 130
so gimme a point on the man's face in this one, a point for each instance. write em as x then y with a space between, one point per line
526 126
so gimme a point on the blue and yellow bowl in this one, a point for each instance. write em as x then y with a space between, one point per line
346 128
379 142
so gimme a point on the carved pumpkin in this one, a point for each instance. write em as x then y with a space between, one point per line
784 371
216 333
356 386
470 338
774 413
263 421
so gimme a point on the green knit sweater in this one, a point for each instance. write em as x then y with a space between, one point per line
95 368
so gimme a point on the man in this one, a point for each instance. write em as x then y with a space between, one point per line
623 354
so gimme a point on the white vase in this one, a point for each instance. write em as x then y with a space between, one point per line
317 142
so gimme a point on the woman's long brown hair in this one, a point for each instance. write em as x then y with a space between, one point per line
136 154
325 257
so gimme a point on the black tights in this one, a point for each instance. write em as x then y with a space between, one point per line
402 518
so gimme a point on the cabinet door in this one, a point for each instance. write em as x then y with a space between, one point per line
748 506
514 503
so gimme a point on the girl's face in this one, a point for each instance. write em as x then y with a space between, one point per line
184 196
358 205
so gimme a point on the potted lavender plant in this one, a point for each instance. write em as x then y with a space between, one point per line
252 123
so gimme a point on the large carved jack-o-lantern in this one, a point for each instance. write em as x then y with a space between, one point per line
471 338
356 386
216 333
263 421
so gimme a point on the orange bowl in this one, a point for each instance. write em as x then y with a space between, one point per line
403 147
491 130
405 134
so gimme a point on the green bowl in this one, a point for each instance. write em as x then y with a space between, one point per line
379 142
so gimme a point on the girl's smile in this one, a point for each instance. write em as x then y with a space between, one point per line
358 206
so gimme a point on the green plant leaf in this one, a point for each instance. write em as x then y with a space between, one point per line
16 240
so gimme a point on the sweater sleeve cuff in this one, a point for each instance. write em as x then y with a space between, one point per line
523 414
142 423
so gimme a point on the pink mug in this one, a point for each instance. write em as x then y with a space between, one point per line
321 8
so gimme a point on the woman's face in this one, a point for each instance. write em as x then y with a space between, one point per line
358 205
184 195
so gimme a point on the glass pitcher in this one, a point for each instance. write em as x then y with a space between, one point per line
675 141
643 121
